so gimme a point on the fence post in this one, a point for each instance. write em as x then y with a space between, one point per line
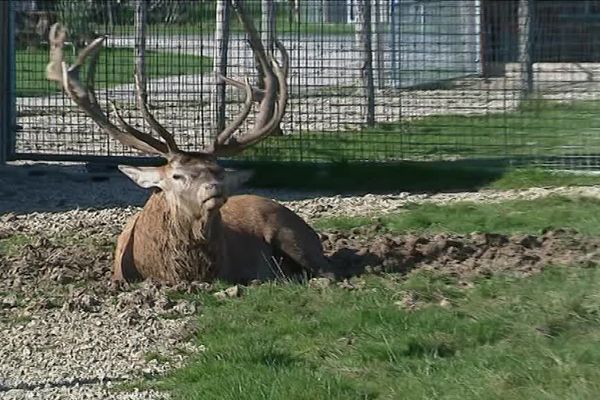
377 31
395 36
526 17
220 62
140 44
6 93
363 27
267 29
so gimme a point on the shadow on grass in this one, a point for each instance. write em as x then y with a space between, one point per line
415 177
52 187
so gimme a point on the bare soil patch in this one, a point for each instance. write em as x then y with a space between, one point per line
369 249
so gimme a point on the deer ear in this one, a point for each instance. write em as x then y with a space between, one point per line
234 179
146 177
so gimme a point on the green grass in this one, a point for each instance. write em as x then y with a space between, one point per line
12 244
518 216
539 128
527 178
208 28
534 338
115 67
501 338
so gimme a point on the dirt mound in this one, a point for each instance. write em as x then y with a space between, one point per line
370 249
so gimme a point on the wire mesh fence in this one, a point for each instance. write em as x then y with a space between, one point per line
370 80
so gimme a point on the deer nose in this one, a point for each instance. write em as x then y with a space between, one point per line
214 188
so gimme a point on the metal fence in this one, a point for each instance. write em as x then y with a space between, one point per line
451 79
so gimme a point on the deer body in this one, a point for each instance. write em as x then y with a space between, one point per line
189 229
249 238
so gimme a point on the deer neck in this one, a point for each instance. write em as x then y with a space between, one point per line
192 245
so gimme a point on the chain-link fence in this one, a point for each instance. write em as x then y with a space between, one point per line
370 80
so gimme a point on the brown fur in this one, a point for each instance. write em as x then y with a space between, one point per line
250 237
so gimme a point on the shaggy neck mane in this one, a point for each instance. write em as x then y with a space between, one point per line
191 246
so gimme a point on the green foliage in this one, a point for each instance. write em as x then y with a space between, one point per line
180 12
76 16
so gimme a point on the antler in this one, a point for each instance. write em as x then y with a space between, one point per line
273 99
84 95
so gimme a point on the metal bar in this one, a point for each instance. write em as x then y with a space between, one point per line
140 44
4 59
233 163
7 114
526 18
478 21
220 62
377 33
394 32
84 158
268 24
366 44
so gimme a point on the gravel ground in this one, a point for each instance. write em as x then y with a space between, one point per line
66 334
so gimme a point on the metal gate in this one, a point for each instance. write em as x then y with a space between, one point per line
448 79
434 41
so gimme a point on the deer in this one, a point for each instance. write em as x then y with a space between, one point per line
190 229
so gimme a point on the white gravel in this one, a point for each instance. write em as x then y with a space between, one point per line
91 344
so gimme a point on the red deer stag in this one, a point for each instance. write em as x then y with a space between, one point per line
189 229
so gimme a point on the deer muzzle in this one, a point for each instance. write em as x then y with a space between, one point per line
213 196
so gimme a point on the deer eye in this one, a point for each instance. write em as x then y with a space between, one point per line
178 177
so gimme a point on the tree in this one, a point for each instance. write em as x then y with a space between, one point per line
76 15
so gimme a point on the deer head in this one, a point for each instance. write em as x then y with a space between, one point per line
193 182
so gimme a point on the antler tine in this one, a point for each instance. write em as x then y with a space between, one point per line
257 134
154 124
84 95
135 132
274 96
230 129
56 37
266 105
257 94
282 74
285 58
